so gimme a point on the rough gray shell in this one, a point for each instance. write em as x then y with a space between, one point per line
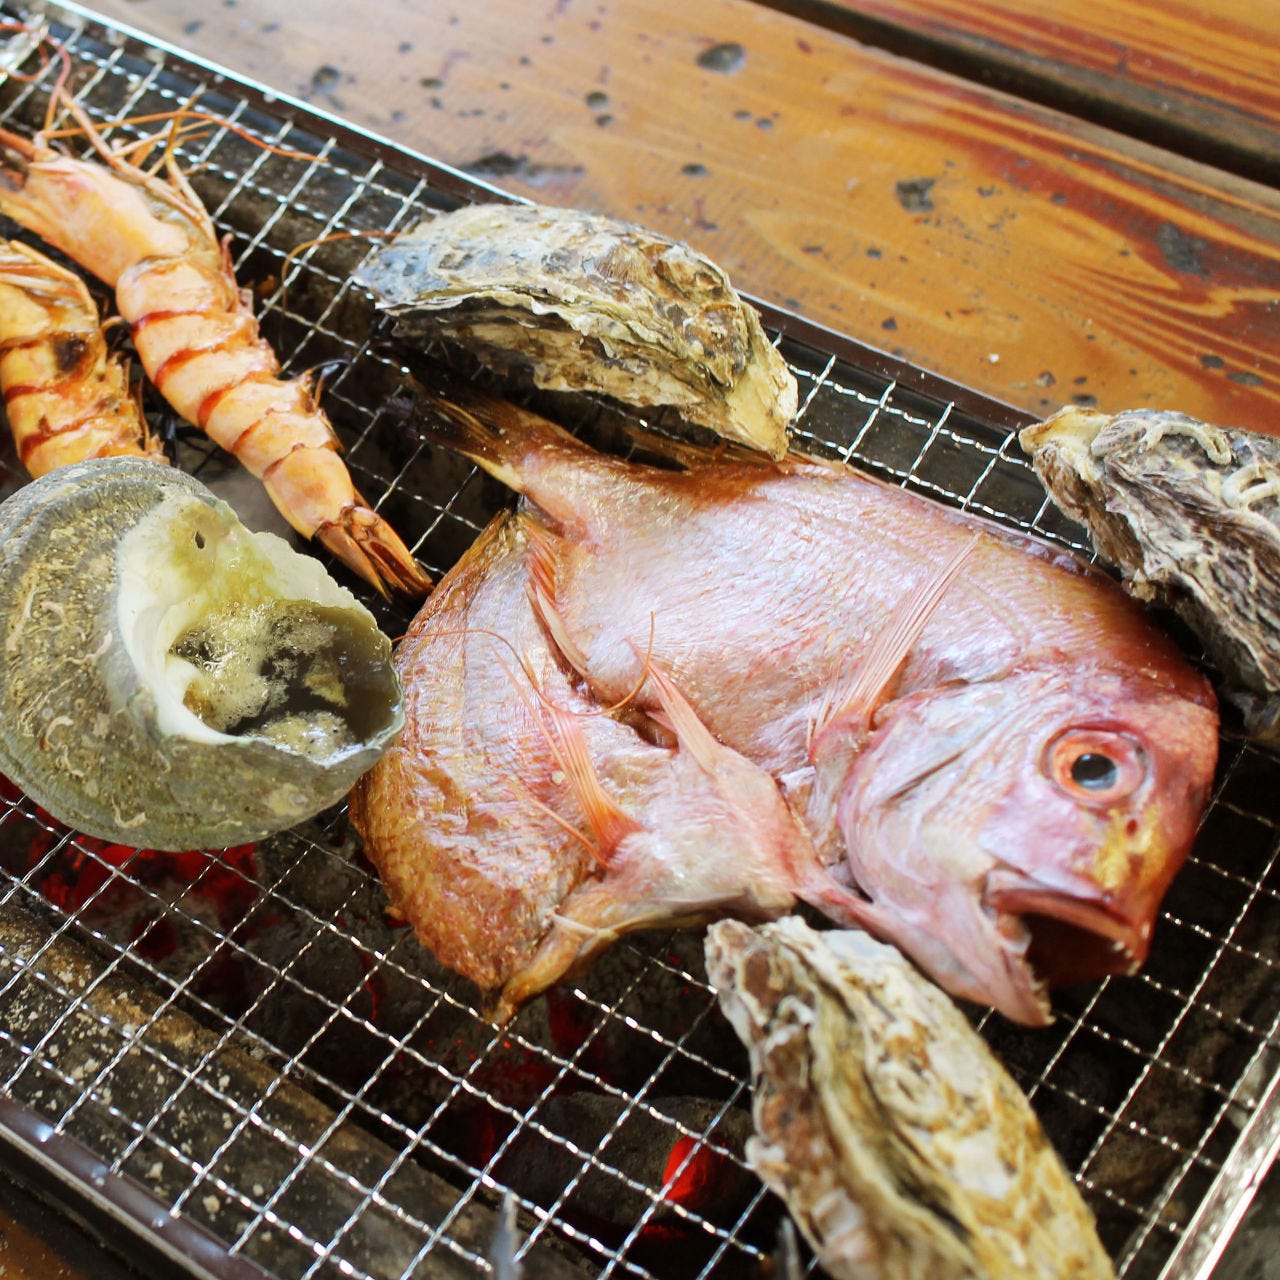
1190 514
171 680
900 1146
590 304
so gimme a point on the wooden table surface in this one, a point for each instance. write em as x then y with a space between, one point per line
1051 201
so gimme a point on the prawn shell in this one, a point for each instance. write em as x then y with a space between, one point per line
133 602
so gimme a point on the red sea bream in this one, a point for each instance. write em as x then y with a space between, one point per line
998 758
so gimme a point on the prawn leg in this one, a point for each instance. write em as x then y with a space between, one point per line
66 396
149 238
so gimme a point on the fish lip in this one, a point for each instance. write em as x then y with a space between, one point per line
1079 940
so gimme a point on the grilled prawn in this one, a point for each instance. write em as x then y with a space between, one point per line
151 240
66 396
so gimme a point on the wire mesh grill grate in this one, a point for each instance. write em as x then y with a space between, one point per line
245 1035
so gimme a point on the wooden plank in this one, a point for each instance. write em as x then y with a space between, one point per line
1204 79
1010 248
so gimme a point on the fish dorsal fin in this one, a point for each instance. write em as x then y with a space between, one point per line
852 704
678 716
609 822
544 549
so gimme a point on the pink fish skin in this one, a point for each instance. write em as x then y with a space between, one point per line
520 828
988 740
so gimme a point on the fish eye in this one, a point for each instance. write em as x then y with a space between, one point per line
1094 771
1098 766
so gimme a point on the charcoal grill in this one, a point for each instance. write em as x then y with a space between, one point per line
234 1062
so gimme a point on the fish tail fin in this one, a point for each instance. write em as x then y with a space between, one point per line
495 434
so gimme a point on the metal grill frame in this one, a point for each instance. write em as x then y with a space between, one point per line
857 404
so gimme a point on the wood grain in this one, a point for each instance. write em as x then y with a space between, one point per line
1034 257
25 1256
38 1243
1196 76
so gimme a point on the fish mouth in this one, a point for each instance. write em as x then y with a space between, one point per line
1071 939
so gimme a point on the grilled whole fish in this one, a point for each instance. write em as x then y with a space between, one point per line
1190 514
985 738
520 828
590 304
901 1147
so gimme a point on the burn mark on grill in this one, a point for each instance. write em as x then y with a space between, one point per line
325 79
499 164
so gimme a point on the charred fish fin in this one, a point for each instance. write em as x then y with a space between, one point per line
569 944
854 704
690 455
457 426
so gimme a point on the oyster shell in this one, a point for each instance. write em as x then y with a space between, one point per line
1190 514
590 304
901 1147
170 679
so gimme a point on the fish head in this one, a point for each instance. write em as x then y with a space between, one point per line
1019 835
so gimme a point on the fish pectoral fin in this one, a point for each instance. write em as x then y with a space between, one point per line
844 906
541 558
610 824
679 716
851 705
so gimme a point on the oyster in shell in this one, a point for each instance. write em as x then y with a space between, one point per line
590 304
901 1147
171 679
1190 514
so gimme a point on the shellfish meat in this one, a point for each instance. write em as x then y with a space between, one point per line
901 1147
171 679
590 304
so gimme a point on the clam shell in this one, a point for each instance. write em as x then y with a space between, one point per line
170 679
